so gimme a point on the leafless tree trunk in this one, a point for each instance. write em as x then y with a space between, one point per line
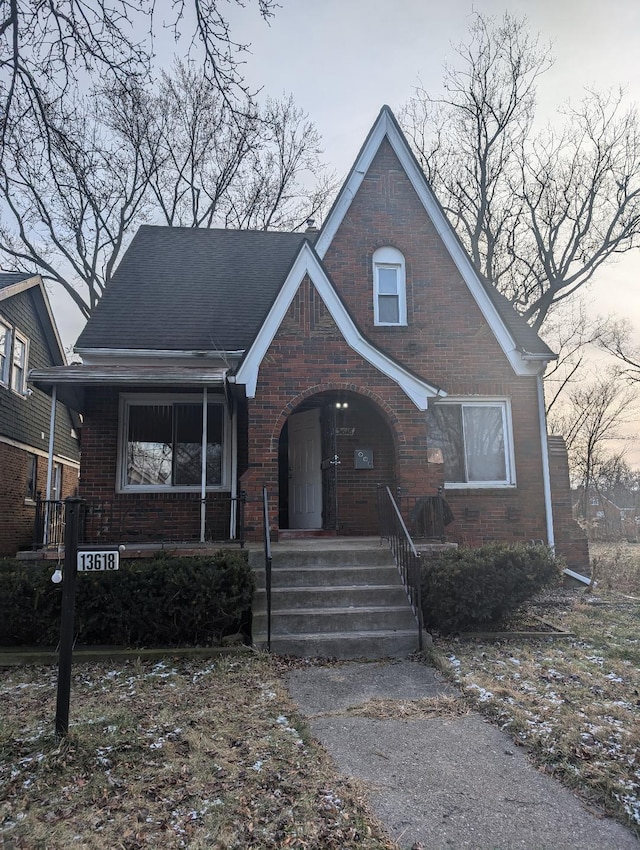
592 418
539 215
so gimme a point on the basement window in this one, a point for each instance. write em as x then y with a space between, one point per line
476 442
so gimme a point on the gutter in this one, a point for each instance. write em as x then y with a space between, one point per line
546 475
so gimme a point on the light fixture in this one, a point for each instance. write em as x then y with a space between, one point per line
56 578
342 405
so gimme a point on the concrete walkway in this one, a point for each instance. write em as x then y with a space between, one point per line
448 782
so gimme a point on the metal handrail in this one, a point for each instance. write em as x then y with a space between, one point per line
267 560
407 558
122 519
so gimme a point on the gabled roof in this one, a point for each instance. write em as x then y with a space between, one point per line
517 339
13 283
308 263
230 279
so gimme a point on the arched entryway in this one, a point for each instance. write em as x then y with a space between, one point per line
334 449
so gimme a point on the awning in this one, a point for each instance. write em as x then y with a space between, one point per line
72 380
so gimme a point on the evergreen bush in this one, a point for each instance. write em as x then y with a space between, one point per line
164 601
467 589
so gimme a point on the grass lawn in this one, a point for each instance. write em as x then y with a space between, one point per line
574 703
210 754
198 754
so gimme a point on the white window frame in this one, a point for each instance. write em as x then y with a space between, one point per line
389 258
507 429
6 362
127 400
22 389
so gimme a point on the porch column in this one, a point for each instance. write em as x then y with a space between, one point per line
203 471
52 431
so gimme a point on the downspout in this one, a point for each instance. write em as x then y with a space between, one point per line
546 475
203 469
234 473
52 431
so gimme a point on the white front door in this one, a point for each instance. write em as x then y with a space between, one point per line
305 473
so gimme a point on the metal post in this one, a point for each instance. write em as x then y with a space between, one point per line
52 431
72 524
203 469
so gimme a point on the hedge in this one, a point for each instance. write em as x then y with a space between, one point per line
164 601
468 589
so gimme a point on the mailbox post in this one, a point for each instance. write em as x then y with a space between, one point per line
72 524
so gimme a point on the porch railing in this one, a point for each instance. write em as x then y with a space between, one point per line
152 518
267 560
425 516
407 558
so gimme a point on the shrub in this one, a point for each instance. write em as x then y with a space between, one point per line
466 589
166 601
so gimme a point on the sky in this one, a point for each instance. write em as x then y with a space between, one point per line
343 59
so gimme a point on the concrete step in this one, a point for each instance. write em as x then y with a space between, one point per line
331 596
324 555
327 620
360 644
304 575
334 601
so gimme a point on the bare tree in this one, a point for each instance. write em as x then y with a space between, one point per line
258 168
116 158
47 49
72 196
538 214
573 334
590 420
619 341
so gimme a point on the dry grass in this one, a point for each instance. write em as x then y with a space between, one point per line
196 754
616 566
575 704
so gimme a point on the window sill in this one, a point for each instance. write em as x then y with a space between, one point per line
479 486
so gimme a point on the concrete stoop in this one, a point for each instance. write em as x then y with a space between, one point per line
334 603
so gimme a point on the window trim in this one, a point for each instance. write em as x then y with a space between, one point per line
21 391
142 399
385 258
5 369
509 450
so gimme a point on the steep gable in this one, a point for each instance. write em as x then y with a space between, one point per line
308 263
525 351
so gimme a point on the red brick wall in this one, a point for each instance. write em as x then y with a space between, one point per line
17 514
135 517
447 342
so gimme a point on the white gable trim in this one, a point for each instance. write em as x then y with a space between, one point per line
28 283
306 262
386 126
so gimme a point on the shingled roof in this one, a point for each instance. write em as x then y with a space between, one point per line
191 289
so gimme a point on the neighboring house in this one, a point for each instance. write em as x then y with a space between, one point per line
608 517
319 365
29 339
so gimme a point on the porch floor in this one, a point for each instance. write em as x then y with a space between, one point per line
299 544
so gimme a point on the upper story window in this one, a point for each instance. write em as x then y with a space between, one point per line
5 352
476 442
19 364
389 287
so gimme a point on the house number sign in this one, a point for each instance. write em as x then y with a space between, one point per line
98 561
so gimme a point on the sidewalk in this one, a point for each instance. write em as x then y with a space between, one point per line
444 781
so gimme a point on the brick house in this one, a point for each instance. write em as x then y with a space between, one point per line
319 365
28 338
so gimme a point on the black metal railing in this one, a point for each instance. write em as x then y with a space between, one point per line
145 519
407 558
267 560
48 526
425 516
